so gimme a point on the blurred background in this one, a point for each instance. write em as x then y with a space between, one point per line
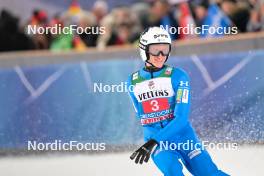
122 20
47 82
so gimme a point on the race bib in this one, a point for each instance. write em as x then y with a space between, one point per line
155 105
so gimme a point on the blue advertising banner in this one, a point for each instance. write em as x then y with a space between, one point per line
88 102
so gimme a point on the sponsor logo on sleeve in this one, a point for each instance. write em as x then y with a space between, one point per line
179 95
185 96
184 83
135 76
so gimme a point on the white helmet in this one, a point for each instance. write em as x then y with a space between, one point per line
152 35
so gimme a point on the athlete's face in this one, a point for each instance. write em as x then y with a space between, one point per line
158 54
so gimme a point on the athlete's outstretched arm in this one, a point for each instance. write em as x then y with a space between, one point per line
181 111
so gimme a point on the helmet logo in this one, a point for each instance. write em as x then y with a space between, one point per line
160 35
144 41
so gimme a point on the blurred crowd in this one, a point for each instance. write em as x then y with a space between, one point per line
122 25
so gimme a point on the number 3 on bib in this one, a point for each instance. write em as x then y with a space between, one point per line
155 105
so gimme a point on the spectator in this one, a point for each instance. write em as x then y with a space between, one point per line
211 16
161 15
141 9
99 10
186 20
237 12
108 37
88 21
10 35
82 19
200 11
121 28
126 21
255 22
39 18
73 15
262 12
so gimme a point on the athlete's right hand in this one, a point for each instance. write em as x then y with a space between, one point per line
144 152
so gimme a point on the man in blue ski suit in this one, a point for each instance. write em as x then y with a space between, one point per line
161 98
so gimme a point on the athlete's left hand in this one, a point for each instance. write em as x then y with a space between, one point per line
144 152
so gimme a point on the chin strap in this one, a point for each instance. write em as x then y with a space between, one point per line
153 67
147 61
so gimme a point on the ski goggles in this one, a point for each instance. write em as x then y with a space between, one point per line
157 49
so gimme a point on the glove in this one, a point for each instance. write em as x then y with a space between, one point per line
144 152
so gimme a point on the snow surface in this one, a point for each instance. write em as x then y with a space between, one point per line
246 161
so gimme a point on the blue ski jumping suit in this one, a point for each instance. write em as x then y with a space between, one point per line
162 102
